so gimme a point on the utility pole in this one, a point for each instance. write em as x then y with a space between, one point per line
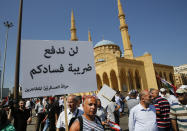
16 82
8 25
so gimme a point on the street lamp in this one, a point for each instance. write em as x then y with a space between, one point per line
8 25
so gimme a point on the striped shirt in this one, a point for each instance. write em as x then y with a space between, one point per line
92 125
162 105
179 112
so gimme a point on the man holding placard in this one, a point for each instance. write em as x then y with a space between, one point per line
71 112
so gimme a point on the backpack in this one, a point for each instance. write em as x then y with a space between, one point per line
81 121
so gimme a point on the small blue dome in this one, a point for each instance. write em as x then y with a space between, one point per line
104 42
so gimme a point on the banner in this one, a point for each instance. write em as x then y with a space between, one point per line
56 67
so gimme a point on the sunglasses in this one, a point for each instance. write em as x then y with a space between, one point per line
180 94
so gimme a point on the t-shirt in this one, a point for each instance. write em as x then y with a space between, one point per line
101 113
162 105
131 103
92 125
179 112
111 113
20 118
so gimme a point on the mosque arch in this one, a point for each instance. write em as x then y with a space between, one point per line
165 77
137 79
105 79
114 81
130 78
123 79
160 74
99 82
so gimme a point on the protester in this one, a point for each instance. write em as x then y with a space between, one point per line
89 119
52 115
143 116
56 103
4 123
61 103
178 112
40 111
72 111
21 116
79 103
101 112
112 110
46 121
171 98
132 101
119 101
128 96
28 104
162 107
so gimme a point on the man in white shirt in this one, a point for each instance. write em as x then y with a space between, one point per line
171 98
39 109
143 116
72 111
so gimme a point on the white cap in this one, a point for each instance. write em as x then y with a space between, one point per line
181 90
162 90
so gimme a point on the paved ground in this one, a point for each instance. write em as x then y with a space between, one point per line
123 123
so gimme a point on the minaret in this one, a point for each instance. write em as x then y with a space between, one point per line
128 53
73 28
89 36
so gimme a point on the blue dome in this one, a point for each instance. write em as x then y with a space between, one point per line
104 42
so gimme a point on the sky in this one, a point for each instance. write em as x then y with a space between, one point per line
155 26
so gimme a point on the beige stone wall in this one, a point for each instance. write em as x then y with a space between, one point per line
149 70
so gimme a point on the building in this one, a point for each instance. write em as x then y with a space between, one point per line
182 69
180 73
125 72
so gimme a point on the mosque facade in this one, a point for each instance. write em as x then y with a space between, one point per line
125 72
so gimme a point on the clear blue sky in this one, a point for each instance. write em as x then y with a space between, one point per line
155 26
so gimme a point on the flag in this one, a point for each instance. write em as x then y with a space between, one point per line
114 126
171 87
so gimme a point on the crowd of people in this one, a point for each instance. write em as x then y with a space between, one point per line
148 110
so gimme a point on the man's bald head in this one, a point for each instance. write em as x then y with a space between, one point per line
143 93
145 98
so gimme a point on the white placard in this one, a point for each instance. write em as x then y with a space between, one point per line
50 67
105 95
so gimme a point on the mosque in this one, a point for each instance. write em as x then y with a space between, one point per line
125 72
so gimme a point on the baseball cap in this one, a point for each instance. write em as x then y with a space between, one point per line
133 91
181 90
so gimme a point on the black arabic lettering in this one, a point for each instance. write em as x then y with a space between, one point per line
49 51
59 51
73 52
33 71
43 69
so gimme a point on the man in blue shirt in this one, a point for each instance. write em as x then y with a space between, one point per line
143 116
